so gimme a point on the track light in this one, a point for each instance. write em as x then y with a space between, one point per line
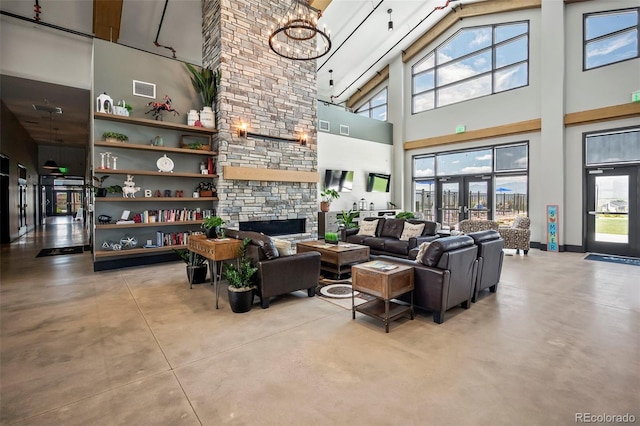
390 25
330 78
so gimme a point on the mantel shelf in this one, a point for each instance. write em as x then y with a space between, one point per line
151 224
154 199
154 123
151 173
125 145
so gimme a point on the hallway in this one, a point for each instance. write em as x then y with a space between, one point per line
136 346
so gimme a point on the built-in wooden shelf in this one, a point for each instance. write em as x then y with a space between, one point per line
126 145
152 173
127 252
152 199
154 123
151 224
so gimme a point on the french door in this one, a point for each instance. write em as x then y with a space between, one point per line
612 218
462 198
66 202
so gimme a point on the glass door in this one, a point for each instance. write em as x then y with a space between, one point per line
464 198
612 211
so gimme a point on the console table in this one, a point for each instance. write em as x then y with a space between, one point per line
213 250
385 281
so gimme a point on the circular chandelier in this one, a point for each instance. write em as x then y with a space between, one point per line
297 35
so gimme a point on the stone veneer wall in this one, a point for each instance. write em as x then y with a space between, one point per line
273 96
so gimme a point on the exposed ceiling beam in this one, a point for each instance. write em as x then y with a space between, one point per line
363 91
106 19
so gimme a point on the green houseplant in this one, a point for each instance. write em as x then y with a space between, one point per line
240 280
347 219
197 271
115 137
206 82
97 188
328 196
405 215
212 226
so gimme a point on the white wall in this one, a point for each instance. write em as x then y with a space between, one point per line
342 153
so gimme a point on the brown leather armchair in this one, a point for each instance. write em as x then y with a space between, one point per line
278 274
445 276
490 257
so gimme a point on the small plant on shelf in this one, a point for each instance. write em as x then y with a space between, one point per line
114 137
97 187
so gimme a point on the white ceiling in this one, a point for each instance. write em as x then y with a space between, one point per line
361 44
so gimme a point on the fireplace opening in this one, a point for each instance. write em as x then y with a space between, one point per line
275 227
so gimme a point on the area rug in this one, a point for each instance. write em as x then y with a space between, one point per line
614 259
340 293
60 251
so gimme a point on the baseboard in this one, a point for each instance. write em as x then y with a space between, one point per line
105 265
561 248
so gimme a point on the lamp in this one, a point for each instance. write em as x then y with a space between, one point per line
330 78
297 36
390 25
50 164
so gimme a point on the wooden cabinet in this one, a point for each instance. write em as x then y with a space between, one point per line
171 211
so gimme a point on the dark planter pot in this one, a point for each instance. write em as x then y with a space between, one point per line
211 232
101 192
199 274
240 301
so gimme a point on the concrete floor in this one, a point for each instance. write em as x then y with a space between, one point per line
136 347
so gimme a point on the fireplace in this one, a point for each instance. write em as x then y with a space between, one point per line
275 227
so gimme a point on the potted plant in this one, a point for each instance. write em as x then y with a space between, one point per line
212 226
405 215
240 280
97 188
114 137
197 271
206 82
347 219
114 189
328 195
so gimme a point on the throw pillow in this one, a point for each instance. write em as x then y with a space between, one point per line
283 246
368 228
411 231
423 247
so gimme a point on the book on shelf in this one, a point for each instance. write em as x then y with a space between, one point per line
381 266
124 222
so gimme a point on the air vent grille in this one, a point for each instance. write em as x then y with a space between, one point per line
344 130
324 126
146 90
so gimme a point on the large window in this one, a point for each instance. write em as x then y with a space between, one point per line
474 62
610 37
376 107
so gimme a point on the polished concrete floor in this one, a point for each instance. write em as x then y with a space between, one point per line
136 347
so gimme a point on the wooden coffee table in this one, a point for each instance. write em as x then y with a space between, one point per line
336 258
385 281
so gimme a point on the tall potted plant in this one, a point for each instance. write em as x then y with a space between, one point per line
240 280
328 195
206 82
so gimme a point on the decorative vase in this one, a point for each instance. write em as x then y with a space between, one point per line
206 118
240 299
192 117
324 206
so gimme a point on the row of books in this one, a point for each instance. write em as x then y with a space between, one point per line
164 239
169 215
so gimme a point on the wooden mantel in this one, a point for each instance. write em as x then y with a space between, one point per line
269 175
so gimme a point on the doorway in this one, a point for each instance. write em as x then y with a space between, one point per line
462 198
611 218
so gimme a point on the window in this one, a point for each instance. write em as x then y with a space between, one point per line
613 148
610 37
376 107
475 62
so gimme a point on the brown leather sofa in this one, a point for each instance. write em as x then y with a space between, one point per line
387 236
444 277
490 257
278 274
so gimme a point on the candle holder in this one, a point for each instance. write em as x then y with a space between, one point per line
108 154
102 154
115 167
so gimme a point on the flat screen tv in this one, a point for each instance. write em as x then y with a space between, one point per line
378 182
340 180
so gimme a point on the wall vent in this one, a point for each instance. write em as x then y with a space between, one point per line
324 126
344 130
146 90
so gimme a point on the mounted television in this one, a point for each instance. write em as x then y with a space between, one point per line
378 182
340 180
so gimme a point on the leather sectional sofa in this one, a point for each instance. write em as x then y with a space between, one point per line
388 238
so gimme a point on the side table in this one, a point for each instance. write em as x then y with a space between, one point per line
214 250
385 281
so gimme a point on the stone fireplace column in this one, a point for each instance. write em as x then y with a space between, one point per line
270 95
